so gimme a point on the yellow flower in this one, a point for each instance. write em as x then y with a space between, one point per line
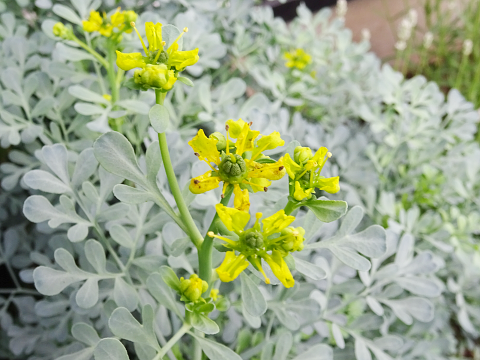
305 170
105 25
297 58
231 266
193 288
214 294
233 167
159 66
254 244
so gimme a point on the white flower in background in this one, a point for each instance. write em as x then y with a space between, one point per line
405 29
427 40
400 45
341 8
366 35
467 47
413 17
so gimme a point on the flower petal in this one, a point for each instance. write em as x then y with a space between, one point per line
118 18
246 139
329 185
234 220
293 169
231 266
319 156
205 147
204 183
259 184
235 127
300 193
242 200
154 35
129 61
273 171
276 223
182 59
279 268
271 141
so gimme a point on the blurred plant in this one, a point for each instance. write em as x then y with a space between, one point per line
447 49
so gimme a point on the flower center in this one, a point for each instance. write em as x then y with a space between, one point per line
254 239
233 168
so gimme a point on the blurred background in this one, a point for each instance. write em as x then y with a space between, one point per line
436 38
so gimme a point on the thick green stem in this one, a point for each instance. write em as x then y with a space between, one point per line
192 229
291 205
205 252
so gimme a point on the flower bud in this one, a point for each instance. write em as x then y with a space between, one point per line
130 16
193 288
156 76
293 239
222 142
62 31
302 154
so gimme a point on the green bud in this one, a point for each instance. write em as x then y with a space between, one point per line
254 239
130 16
156 76
293 239
233 168
193 288
62 31
302 154
222 142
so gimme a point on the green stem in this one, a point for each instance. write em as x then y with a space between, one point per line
192 229
95 54
96 67
174 339
112 76
114 84
291 205
461 71
197 350
205 252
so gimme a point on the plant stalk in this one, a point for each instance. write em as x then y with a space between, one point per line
205 252
185 215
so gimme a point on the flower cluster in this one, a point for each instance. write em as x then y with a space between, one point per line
105 25
297 58
191 289
159 66
241 164
304 171
271 241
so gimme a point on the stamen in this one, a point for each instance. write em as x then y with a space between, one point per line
224 188
213 235
132 24
250 123
185 29
281 168
228 145
159 50
195 181
259 265
329 154
196 154
265 189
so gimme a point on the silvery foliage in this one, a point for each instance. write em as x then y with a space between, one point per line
88 271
